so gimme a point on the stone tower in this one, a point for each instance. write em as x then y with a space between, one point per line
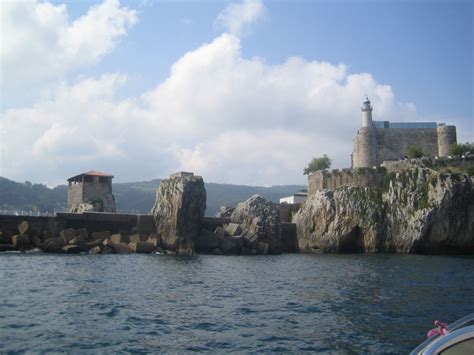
446 138
91 192
365 143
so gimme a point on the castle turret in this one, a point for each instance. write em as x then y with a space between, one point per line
446 138
366 113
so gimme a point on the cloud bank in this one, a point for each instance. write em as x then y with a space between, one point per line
42 43
223 116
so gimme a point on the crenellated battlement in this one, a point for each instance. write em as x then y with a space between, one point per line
333 179
374 177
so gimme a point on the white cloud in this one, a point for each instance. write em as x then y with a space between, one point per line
236 18
40 42
228 118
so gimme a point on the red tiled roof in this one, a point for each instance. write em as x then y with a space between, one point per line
92 173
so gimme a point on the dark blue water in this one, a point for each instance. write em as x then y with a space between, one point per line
288 303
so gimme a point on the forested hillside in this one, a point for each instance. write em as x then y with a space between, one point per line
137 197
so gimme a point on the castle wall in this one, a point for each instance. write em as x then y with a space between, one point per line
372 146
440 164
369 177
94 191
362 177
392 143
85 192
74 195
446 138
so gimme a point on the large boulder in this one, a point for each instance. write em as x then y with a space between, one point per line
53 245
101 235
135 238
67 235
117 238
231 244
21 241
259 221
5 238
206 242
23 227
71 249
142 247
179 211
225 212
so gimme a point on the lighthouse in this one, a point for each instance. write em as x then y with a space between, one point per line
366 113
365 143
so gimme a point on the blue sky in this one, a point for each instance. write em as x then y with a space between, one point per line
423 49
257 87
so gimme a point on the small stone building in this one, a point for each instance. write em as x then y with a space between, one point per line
91 192
379 141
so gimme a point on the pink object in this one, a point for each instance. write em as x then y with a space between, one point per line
441 329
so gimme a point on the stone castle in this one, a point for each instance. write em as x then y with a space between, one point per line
379 141
380 147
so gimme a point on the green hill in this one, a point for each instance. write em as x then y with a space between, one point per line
136 197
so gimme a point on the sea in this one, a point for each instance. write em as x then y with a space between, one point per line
291 303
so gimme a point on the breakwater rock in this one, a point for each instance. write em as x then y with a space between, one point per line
417 210
75 241
179 212
259 222
253 228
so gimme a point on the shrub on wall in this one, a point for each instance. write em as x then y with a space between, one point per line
462 148
414 151
321 163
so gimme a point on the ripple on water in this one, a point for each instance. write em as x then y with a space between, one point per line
287 303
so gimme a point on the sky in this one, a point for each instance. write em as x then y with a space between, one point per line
242 92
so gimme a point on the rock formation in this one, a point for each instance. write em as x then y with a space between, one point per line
415 211
259 222
179 211
225 212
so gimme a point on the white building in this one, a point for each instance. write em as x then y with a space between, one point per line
298 197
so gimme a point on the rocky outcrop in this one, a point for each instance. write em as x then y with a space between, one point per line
225 212
179 212
259 222
415 211
255 228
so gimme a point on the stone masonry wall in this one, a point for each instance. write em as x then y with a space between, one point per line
362 177
74 195
392 143
372 146
369 177
91 191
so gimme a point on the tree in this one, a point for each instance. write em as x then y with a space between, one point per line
462 148
321 163
414 151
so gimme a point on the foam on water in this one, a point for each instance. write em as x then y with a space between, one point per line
290 303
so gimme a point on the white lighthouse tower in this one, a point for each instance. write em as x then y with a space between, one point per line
365 143
366 113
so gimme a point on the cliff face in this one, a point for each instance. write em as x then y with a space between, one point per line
415 211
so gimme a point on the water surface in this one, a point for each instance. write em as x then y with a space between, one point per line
288 303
